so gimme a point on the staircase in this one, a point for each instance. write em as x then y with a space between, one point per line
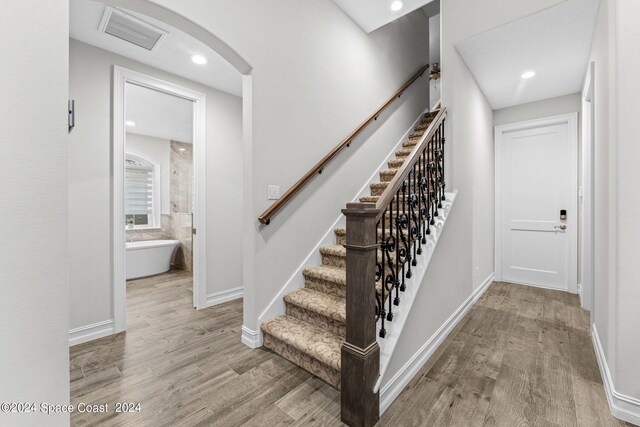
312 331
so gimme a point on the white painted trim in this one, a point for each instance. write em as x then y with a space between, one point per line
571 119
392 389
251 338
587 194
250 224
224 296
122 76
296 281
580 295
91 332
622 406
118 284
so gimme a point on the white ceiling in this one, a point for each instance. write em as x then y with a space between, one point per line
555 43
173 53
371 15
158 114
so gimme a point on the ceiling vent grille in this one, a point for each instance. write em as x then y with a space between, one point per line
131 29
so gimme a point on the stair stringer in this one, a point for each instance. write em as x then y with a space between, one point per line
401 312
296 281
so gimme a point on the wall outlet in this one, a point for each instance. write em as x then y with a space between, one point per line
273 192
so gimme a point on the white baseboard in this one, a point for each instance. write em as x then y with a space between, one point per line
91 332
251 338
622 406
224 296
392 389
579 288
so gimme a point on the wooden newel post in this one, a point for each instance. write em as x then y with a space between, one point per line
360 351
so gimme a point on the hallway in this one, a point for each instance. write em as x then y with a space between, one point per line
522 356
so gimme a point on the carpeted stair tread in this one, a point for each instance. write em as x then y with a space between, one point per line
341 251
320 303
328 273
374 199
387 174
395 163
307 338
404 152
334 250
312 331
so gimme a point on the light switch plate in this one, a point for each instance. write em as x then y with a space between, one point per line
273 192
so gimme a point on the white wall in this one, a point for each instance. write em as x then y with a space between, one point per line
627 89
159 151
604 192
464 258
90 183
34 306
316 75
536 110
616 156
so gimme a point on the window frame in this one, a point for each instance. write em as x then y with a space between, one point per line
156 192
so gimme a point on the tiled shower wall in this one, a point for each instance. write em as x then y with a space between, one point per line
177 224
181 201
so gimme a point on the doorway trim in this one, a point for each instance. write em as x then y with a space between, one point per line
122 76
571 120
587 287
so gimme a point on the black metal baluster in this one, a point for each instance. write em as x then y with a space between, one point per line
383 245
432 180
403 255
406 235
436 180
440 177
444 197
390 280
420 195
414 216
396 300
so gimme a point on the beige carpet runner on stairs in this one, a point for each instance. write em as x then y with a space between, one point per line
313 330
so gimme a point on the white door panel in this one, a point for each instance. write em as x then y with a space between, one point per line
536 183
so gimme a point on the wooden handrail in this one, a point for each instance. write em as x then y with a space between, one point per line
394 185
266 216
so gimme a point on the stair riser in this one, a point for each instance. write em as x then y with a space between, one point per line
395 163
341 239
306 362
334 261
316 319
377 190
387 176
326 286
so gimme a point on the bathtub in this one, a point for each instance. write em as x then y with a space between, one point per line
150 257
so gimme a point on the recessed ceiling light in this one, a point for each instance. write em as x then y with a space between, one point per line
528 74
182 149
396 5
199 59
130 123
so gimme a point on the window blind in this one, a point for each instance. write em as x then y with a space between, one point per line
139 190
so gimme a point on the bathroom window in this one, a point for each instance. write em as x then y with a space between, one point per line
142 193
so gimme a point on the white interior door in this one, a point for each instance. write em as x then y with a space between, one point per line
536 185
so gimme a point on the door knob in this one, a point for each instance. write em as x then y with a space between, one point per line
561 227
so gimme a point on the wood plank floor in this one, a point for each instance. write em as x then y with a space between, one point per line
522 356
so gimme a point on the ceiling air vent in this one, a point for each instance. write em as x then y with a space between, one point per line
130 29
